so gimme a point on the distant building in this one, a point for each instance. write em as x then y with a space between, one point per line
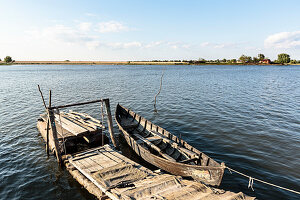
265 61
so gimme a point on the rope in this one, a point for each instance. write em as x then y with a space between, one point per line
250 184
251 180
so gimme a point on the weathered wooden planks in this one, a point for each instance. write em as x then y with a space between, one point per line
85 120
61 132
69 133
70 125
117 181
74 124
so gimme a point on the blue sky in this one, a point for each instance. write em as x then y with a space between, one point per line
147 30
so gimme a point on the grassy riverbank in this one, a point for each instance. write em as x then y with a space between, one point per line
123 63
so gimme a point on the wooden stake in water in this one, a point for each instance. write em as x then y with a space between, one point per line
48 121
155 110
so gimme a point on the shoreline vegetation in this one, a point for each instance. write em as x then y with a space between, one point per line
134 63
283 59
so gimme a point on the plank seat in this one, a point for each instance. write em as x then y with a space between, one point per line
188 160
130 126
145 140
175 145
150 139
153 138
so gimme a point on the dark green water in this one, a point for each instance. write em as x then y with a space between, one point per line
245 116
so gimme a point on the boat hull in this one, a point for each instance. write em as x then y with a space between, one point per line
211 175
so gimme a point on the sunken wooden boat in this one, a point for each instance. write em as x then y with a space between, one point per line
166 151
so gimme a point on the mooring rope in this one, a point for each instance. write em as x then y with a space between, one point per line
251 180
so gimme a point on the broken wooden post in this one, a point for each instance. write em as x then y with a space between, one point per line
42 97
54 132
109 122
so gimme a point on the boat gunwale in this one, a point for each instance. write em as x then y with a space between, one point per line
221 167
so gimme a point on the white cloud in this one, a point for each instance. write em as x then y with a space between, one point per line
219 45
111 26
255 49
125 45
90 14
205 44
186 46
83 35
283 40
60 33
93 44
153 44
132 44
85 26
178 45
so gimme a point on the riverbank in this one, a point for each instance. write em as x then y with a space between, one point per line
125 63
95 63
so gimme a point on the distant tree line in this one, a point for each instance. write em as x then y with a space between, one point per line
282 58
8 60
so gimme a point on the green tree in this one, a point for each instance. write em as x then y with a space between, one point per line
283 58
245 59
202 60
255 59
233 60
7 59
261 56
294 61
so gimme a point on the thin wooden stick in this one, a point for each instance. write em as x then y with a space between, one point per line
155 110
42 96
48 121
77 104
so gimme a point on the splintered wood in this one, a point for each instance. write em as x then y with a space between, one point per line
120 178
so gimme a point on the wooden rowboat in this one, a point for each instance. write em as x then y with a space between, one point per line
166 151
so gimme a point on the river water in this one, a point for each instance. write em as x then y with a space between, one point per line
245 116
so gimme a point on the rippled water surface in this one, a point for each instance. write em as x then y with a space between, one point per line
245 116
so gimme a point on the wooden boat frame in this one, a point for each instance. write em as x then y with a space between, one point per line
198 165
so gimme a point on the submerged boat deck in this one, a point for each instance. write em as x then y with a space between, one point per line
107 174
